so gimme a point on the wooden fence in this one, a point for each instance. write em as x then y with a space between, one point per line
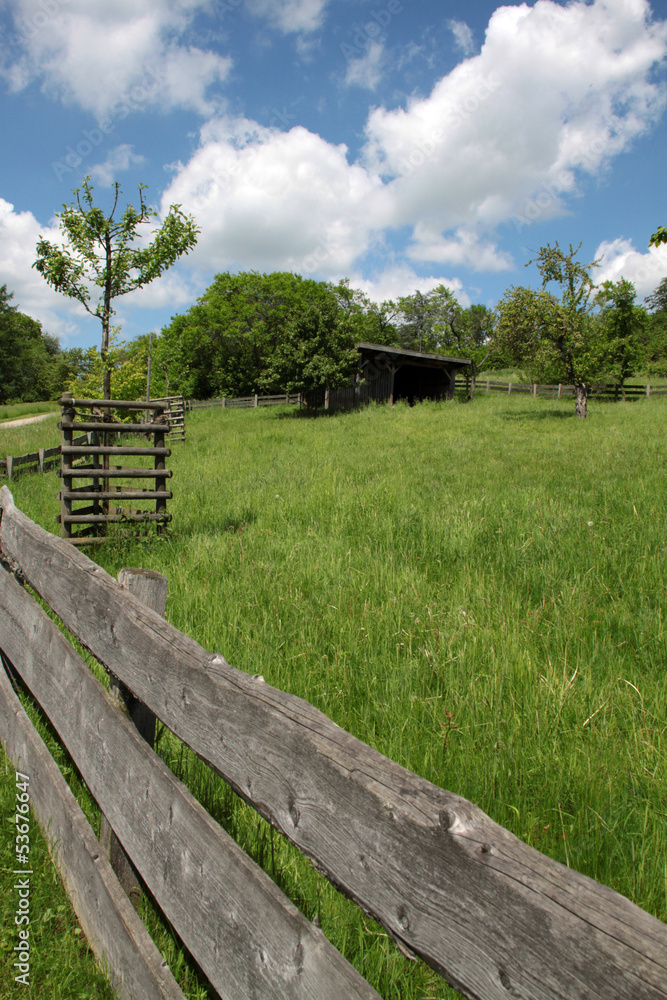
110 483
493 916
175 413
41 460
227 402
595 391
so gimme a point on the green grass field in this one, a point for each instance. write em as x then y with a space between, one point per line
478 591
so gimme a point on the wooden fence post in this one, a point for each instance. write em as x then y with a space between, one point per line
255 403
648 389
559 389
150 588
509 388
9 462
326 399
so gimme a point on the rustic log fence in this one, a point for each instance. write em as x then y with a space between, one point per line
493 916
110 483
42 460
595 391
229 402
175 414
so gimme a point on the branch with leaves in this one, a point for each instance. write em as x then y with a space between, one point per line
98 253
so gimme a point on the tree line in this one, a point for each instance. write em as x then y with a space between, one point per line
279 332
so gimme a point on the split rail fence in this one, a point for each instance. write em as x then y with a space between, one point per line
596 391
493 916
227 402
42 460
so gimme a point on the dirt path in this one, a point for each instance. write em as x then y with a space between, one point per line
27 420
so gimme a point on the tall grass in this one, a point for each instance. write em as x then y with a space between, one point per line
475 590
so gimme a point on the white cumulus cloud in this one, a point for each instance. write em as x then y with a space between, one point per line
99 53
619 259
120 158
276 200
366 70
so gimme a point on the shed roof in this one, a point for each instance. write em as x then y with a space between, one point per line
414 357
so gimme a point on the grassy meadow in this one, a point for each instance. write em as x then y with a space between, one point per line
476 590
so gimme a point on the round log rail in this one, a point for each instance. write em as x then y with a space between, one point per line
80 493
113 450
98 425
112 404
88 470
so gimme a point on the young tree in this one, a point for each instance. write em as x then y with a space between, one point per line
572 333
98 251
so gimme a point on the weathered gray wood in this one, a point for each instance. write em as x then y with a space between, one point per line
249 939
113 930
150 588
84 471
492 915
96 425
111 404
85 493
113 518
113 450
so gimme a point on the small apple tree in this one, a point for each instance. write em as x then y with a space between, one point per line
98 253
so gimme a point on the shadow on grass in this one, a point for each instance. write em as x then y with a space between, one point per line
538 415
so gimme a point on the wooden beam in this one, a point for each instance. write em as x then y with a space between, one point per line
494 916
113 930
250 941
151 589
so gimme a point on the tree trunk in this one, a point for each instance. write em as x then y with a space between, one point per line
582 398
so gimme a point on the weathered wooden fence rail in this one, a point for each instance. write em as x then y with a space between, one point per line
495 917
596 391
41 460
229 402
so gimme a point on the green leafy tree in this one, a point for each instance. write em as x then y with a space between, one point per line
524 334
659 236
28 356
428 321
98 251
316 352
571 332
656 332
231 341
622 326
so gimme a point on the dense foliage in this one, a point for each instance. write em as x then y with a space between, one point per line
28 368
272 333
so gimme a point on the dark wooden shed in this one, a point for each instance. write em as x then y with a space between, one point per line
389 374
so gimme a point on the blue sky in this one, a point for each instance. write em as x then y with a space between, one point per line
399 144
